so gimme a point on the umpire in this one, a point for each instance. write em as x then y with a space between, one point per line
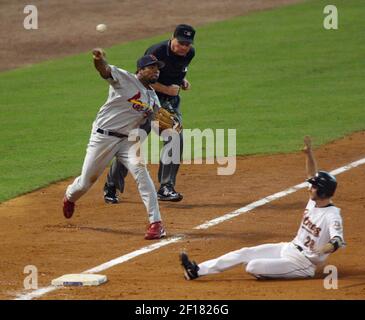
177 54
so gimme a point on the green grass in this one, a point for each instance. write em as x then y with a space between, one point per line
278 75
274 76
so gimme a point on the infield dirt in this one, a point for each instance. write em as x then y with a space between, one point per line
33 229
34 232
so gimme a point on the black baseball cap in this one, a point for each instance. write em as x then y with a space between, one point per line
149 60
184 32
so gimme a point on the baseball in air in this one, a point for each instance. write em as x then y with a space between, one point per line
101 27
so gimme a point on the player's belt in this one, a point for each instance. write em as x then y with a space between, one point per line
111 133
299 247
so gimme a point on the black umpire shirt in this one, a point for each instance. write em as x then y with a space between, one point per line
175 67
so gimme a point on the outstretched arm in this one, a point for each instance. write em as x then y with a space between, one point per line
311 165
100 63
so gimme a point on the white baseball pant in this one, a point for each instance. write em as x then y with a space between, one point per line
279 260
100 151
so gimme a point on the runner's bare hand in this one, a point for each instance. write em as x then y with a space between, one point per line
307 144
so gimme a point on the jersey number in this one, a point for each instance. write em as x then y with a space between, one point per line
309 243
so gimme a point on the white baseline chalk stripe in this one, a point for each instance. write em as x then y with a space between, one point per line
36 293
133 254
348 167
272 197
251 206
42 291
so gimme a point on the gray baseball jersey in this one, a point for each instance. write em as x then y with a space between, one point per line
128 103
127 106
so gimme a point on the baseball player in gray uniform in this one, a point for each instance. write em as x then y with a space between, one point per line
320 233
130 103
177 53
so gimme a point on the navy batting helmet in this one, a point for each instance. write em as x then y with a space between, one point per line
325 182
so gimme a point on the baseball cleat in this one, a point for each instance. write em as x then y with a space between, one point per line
155 231
168 193
68 208
110 194
190 267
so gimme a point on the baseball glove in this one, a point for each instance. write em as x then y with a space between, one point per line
167 120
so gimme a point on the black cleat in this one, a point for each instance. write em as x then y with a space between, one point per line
110 194
190 267
168 193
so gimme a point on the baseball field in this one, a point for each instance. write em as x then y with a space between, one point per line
268 69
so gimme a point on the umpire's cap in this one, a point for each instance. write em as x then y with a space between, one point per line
149 60
325 182
184 32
